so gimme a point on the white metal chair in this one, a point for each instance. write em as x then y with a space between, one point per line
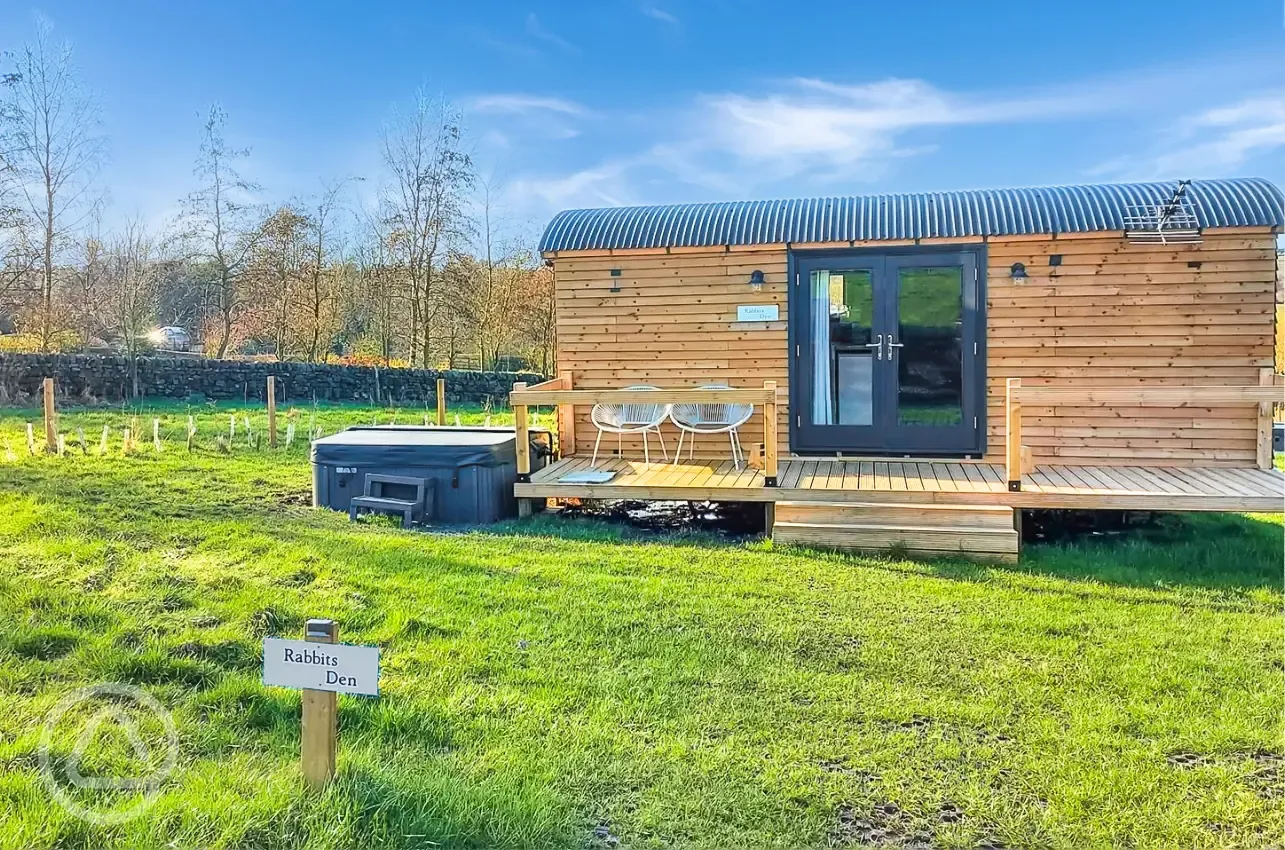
630 418
714 418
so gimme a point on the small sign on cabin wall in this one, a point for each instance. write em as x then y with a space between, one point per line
758 313
339 667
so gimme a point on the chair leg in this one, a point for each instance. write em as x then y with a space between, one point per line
646 449
620 444
740 450
679 452
661 440
736 461
593 463
691 453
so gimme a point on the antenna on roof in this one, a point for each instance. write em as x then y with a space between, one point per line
1171 222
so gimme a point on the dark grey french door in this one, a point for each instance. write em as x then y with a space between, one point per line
888 353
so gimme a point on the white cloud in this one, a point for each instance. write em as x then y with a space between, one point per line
817 125
660 15
805 130
1211 142
536 30
523 104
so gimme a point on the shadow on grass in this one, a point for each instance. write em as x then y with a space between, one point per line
1229 553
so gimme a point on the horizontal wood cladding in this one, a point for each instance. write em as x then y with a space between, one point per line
672 324
1116 314
1110 314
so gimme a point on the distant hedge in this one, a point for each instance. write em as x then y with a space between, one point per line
115 378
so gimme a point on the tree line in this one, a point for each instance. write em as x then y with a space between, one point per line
420 273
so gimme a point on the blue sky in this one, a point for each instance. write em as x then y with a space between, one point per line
604 103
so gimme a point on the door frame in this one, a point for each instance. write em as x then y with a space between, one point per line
797 308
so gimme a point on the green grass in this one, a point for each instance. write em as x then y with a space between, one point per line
562 684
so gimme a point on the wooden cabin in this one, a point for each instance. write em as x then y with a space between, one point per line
924 366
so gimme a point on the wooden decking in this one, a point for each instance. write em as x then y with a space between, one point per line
927 481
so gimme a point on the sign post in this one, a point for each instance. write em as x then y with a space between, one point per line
320 718
321 668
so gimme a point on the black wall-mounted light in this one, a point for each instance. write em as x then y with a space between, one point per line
756 280
615 280
1017 274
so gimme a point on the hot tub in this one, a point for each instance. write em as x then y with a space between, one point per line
469 472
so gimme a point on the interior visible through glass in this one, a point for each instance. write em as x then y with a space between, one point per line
930 383
843 353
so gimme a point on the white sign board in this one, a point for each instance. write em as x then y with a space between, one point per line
758 313
339 667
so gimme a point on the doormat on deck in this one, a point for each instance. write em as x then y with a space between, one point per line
588 476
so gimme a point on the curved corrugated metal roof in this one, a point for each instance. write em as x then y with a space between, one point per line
1239 202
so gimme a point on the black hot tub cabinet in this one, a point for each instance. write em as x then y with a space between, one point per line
470 471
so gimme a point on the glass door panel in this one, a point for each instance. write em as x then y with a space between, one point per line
929 346
843 348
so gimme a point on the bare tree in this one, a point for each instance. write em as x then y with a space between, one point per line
85 288
277 272
222 227
380 278
319 298
422 204
134 271
53 155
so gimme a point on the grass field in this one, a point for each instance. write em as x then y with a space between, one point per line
556 684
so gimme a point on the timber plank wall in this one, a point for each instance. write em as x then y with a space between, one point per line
1112 314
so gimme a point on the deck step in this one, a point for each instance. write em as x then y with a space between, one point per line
979 531
896 513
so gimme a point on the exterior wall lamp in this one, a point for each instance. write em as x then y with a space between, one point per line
1017 274
756 280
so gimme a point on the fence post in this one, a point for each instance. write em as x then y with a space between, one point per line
769 435
272 411
566 421
1266 378
441 401
522 447
51 423
320 710
1013 434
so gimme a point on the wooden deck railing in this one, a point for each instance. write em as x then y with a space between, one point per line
1017 457
558 392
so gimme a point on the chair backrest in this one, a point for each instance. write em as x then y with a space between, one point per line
713 413
631 413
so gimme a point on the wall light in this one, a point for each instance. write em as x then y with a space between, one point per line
756 280
1017 274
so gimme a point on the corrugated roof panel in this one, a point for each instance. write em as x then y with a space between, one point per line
1238 202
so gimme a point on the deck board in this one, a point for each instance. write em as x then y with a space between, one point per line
1097 486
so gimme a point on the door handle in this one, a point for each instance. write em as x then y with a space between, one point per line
892 345
879 347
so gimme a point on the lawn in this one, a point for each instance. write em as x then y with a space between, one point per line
562 684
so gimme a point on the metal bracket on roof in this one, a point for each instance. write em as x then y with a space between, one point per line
1171 222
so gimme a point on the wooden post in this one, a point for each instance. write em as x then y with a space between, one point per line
522 447
441 401
1266 378
191 431
566 421
156 434
320 713
31 439
769 435
51 422
272 411
1013 434
102 442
